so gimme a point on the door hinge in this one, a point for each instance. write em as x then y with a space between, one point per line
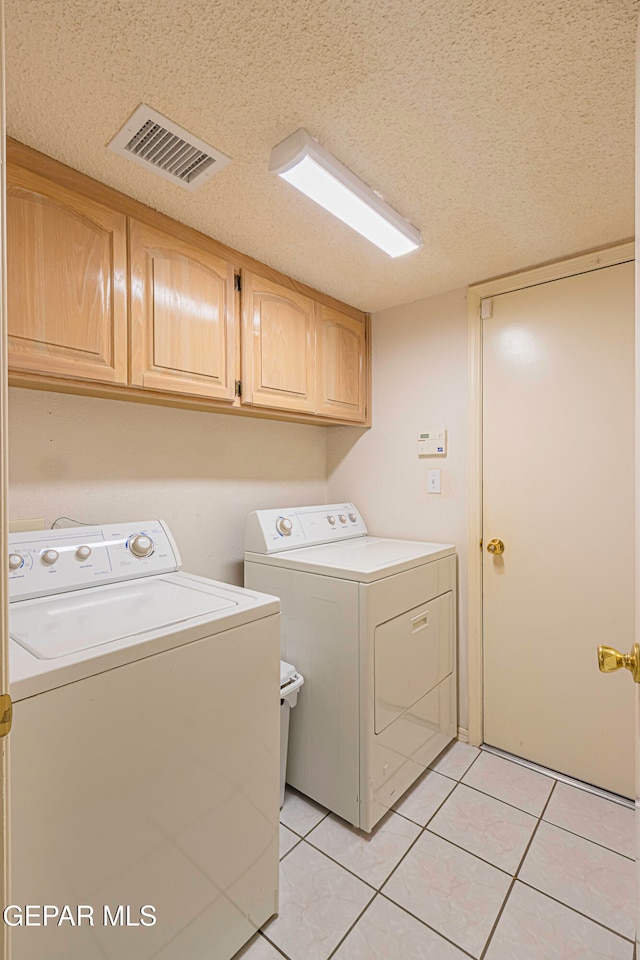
237 282
6 714
481 543
238 392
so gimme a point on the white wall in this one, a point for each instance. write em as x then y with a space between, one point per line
419 383
103 461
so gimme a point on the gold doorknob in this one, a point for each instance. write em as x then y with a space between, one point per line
495 547
610 660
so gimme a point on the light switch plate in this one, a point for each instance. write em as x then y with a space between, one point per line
433 481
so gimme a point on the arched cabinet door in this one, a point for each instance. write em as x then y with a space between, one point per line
278 326
66 282
341 365
183 316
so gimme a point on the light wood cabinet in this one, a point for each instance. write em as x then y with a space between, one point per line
278 328
66 282
183 316
107 297
341 351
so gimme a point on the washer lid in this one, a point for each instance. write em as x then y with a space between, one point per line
364 559
53 627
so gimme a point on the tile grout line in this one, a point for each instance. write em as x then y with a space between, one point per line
274 945
535 830
484 950
581 836
506 802
419 920
543 892
514 876
338 864
567 906
352 927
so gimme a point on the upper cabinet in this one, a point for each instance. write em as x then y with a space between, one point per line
278 327
66 282
108 297
183 316
341 350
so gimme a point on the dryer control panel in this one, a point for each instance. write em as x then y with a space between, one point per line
44 562
269 531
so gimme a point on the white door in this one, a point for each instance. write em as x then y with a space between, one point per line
558 491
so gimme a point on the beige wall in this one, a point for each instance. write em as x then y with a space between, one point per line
419 383
103 461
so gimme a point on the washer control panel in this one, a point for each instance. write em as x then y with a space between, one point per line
269 531
43 562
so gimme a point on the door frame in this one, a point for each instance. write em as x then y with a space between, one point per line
5 839
556 270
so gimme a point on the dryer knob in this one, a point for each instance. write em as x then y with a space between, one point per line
49 557
285 526
15 561
342 518
352 517
332 521
83 553
141 546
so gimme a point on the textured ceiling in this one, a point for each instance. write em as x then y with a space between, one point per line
502 129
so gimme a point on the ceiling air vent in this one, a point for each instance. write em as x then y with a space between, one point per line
160 145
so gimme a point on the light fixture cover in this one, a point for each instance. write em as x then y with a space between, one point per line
306 165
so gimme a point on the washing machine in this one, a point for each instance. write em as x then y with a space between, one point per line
370 623
144 750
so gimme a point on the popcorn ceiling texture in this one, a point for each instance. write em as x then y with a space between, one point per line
502 130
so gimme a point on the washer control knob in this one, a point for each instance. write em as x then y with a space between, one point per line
141 546
15 561
83 553
332 521
285 526
342 518
49 557
352 517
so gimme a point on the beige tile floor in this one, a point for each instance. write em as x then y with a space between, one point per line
482 858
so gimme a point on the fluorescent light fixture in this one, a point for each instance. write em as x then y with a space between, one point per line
302 162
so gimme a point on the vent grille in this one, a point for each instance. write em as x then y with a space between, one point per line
158 144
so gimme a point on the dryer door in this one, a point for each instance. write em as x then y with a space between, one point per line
412 653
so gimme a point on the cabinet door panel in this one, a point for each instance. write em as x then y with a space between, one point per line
341 345
279 346
182 316
66 282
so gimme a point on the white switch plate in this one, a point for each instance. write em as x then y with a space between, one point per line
433 481
24 526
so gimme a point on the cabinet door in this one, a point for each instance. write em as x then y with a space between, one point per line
278 328
341 346
183 316
66 282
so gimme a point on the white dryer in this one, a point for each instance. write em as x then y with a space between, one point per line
370 623
144 750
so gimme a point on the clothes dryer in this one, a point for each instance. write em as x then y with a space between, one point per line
370 623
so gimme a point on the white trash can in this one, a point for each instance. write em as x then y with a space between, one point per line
290 683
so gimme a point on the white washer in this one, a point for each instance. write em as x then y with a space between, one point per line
144 748
370 623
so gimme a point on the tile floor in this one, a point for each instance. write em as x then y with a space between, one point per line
482 858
